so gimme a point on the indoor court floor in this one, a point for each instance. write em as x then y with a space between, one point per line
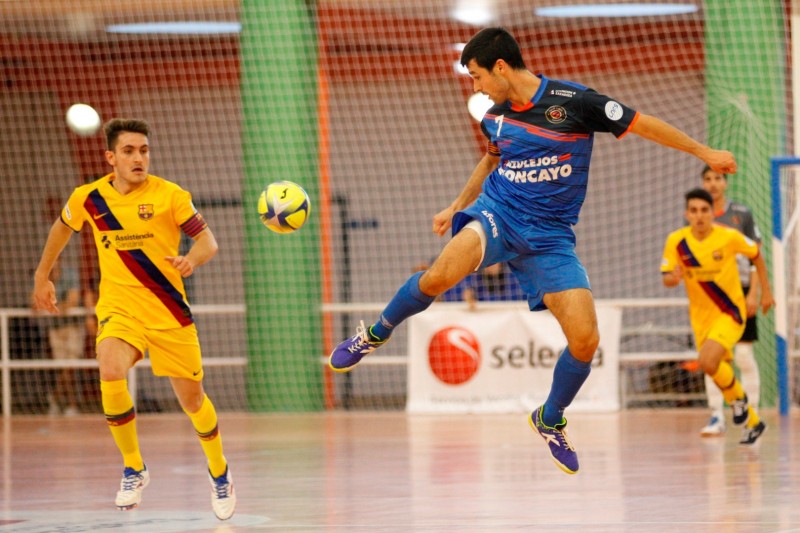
641 471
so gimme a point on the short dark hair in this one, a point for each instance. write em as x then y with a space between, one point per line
491 44
707 168
114 127
699 194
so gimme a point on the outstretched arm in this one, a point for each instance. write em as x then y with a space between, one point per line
442 220
655 129
44 292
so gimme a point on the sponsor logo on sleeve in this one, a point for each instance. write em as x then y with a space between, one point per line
613 110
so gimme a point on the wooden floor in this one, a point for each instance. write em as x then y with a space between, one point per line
641 471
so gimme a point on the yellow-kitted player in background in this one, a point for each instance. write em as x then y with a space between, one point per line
703 255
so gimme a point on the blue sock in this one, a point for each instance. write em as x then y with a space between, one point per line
568 377
408 300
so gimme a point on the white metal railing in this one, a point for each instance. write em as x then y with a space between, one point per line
626 358
622 303
7 364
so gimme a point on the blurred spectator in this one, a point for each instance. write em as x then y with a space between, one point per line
494 283
66 337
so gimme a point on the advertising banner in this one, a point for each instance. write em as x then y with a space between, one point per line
502 361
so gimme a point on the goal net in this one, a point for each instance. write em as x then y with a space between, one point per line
784 185
364 104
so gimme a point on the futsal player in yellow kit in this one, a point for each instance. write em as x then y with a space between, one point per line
137 220
703 255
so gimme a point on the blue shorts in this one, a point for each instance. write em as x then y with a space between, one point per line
541 254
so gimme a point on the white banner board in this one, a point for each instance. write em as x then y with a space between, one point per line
501 361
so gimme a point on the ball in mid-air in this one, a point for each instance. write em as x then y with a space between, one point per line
284 206
83 119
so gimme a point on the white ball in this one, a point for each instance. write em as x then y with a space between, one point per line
83 119
478 104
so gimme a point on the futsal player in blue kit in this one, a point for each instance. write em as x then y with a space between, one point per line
519 206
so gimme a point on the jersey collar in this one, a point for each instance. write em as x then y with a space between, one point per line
535 98
724 209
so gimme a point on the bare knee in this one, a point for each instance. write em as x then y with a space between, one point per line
115 358
710 356
192 403
190 394
584 345
708 365
434 282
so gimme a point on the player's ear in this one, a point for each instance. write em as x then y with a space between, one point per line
110 157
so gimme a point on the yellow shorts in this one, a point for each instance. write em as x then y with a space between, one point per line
722 329
173 352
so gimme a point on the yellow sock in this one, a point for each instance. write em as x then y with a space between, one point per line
727 383
753 419
121 419
205 424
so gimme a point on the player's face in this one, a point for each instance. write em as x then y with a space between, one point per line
715 183
488 82
700 216
130 158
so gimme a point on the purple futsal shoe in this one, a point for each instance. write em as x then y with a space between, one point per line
556 438
350 351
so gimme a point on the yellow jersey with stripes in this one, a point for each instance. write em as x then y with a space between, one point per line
134 233
710 272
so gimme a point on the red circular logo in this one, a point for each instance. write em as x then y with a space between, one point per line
454 355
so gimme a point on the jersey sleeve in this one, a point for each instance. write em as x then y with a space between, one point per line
491 148
750 229
186 215
73 215
603 114
669 258
744 245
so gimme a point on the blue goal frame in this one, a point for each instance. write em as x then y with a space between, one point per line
779 277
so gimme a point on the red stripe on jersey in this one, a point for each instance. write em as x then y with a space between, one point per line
177 309
541 132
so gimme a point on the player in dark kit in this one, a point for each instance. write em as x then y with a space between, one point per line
533 179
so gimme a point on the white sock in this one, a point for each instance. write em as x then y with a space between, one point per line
751 379
714 396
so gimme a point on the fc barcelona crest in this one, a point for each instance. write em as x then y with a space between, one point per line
146 211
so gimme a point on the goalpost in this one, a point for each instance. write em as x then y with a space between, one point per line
785 214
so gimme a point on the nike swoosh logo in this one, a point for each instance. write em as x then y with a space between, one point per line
101 215
195 373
